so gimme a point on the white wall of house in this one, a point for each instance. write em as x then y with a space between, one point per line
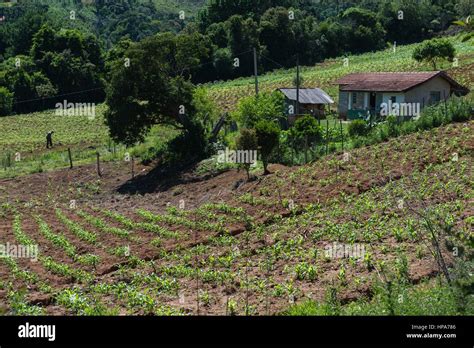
422 93
399 97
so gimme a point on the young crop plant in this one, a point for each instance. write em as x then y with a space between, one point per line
342 274
76 229
231 307
146 226
67 271
80 304
99 223
19 305
169 219
17 272
20 236
304 271
58 240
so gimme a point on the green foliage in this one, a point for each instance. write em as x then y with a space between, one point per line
412 24
247 141
243 37
207 112
358 128
156 90
305 133
6 101
265 106
307 129
456 109
366 33
268 136
434 50
424 299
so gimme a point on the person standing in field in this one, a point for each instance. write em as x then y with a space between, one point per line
49 140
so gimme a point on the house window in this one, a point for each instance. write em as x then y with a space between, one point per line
354 98
393 99
435 96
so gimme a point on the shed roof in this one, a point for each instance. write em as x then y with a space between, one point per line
308 95
391 81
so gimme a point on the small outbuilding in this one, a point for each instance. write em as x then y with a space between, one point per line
312 101
380 93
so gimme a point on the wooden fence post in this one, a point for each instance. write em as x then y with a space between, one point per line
133 167
327 135
99 172
342 135
70 157
445 105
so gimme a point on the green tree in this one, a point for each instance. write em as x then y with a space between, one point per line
434 50
72 62
6 101
367 33
407 20
206 110
267 106
223 63
156 89
218 33
268 137
305 132
277 34
243 37
247 141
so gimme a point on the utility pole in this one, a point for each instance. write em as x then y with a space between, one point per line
255 70
297 84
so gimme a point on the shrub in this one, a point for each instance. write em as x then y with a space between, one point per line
247 140
393 129
460 110
305 132
265 106
6 101
407 127
268 135
358 128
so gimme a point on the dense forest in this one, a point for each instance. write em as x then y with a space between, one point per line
58 48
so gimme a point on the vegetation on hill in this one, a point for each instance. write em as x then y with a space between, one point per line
266 248
395 195
281 31
400 58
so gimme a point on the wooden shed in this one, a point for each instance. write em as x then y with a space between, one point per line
312 101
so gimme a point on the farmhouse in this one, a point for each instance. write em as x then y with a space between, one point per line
397 93
311 101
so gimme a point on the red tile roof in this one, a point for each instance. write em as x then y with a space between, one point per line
390 81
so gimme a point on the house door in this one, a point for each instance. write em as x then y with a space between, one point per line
372 100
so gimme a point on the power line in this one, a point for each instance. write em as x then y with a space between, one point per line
212 62
273 61
101 88
57 96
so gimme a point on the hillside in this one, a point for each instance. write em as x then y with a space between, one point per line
252 248
85 136
142 230
226 94
174 6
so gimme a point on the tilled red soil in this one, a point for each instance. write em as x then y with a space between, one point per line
320 183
